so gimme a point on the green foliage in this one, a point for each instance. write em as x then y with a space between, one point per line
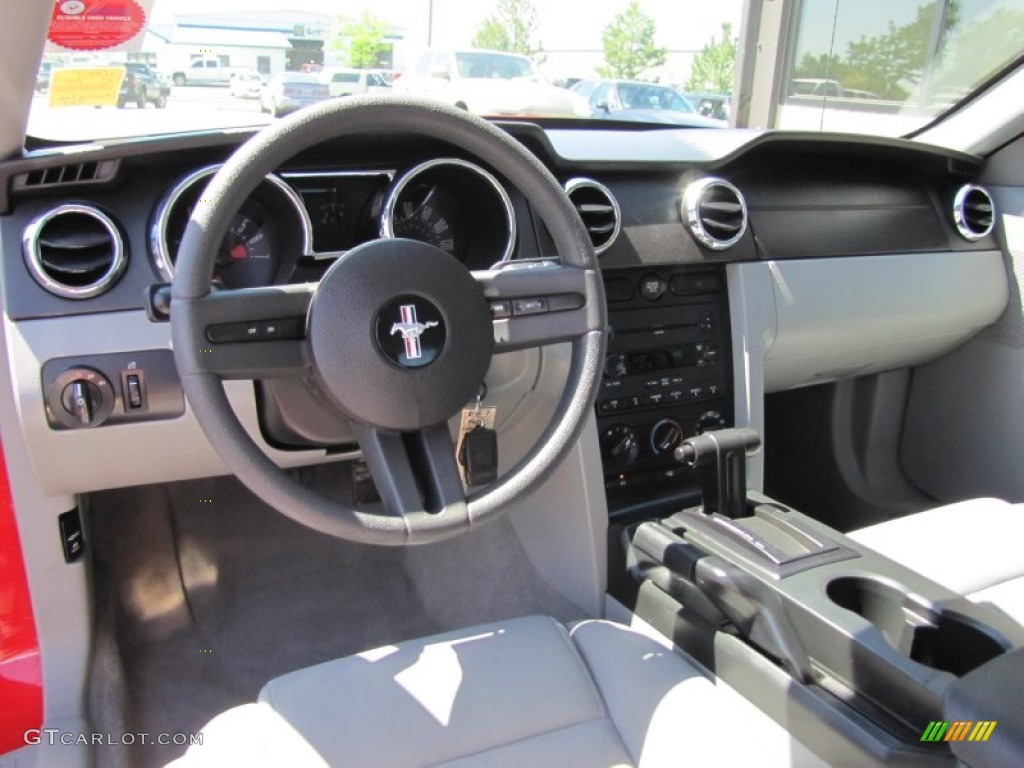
510 28
629 48
362 40
975 51
715 66
889 66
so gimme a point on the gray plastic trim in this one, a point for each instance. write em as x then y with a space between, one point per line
845 317
34 258
387 216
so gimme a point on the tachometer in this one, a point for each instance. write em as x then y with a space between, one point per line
262 245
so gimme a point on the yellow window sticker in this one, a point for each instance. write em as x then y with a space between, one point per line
87 87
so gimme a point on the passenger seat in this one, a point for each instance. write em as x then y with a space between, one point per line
974 547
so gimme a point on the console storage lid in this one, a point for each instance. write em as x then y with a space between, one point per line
990 694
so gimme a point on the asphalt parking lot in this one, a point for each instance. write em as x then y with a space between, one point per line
188 108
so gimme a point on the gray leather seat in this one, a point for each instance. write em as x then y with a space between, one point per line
513 693
973 547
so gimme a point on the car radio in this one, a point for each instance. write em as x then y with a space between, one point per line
667 376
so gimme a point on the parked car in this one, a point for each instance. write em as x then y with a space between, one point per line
246 85
289 91
486 83
815 87
141 85
716 105
637 101
347 82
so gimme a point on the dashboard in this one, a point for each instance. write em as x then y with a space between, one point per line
735 263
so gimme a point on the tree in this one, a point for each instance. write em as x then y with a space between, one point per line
715 66
362 40
510 28
629 48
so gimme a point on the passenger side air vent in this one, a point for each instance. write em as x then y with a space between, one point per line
74 251
715 213
599 210
974 213
76 173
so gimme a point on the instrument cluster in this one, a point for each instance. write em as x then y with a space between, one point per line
298 222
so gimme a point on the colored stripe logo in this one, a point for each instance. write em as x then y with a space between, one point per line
958 730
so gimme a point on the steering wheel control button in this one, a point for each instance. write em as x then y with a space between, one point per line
652 287
501 309
536 306
410 331
263 330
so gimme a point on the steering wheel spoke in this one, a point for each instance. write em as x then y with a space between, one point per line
248 333
416 476
535 303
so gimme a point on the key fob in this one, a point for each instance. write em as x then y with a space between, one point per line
479 456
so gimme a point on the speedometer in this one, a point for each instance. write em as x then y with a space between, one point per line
431 214
453 205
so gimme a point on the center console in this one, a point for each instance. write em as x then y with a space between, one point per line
858 656
667 376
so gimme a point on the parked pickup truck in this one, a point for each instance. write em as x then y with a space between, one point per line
205 71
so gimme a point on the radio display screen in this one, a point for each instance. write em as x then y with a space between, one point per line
665 359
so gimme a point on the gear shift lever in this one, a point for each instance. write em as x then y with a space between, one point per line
720 458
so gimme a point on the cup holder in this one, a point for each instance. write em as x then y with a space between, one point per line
931 636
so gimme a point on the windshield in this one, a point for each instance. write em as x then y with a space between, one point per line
873 66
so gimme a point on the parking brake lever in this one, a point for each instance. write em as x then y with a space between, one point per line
720 459
754 608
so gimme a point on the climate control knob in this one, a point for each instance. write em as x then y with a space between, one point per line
708 421
666 436
615 366
619 446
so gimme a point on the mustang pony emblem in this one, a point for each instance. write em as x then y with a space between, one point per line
411 330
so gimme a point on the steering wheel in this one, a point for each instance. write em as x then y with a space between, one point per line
397 336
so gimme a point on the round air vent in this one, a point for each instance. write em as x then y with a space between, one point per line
715 213
599 210
974 213
74 251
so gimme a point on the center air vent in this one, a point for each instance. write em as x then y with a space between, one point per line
599 210
973 212
74 251
715 213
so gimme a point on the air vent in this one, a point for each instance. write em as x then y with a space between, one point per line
599 210
62 175
74 251
974 212
715 213
963 167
